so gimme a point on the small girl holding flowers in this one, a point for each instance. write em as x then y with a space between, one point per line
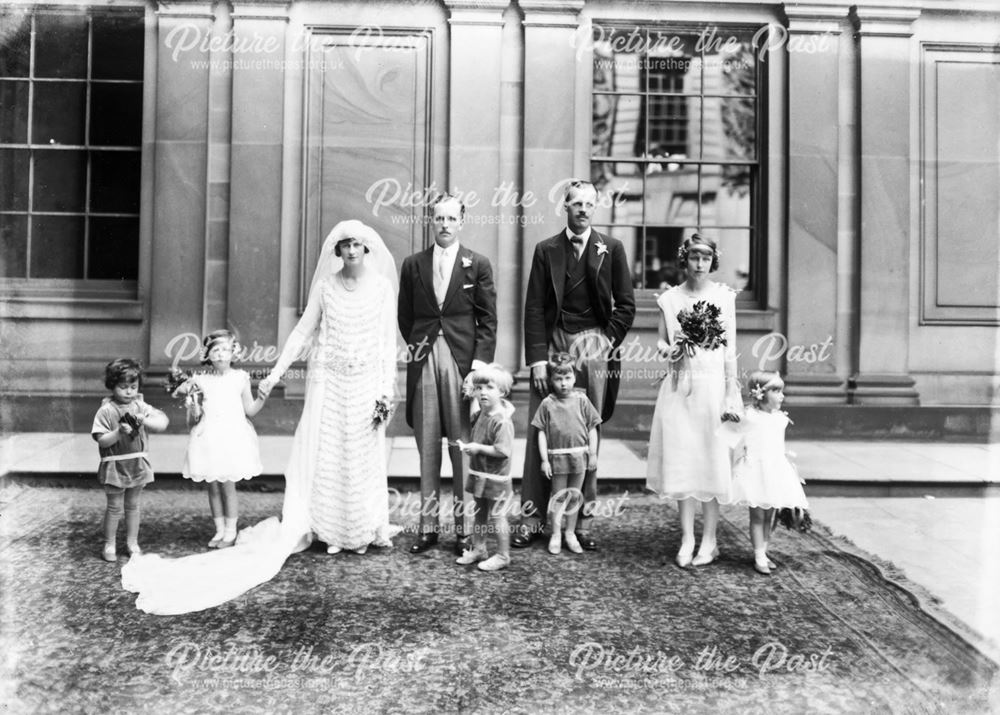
688 457
223 448
763 478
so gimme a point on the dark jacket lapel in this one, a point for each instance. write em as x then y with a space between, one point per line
425 269
557 262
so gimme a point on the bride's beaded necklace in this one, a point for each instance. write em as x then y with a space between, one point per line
343 282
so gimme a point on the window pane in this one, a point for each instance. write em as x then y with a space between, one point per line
14 179
730 128
60 180
117 46
57 247
15 43
663 268
114 249
734 256
617 127
737 65
115 114
61 46
619 189
722 204
59 113
13 246
672 193
114 181
13 112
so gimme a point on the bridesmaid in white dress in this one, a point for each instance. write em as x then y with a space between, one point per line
688 457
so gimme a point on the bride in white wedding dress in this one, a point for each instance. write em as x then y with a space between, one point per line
335 481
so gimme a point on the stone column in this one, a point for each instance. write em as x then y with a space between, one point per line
258 100
886 108
180 173
814 121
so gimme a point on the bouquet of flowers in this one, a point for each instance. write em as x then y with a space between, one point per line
194 398
792 518
383 411
134 422
700 328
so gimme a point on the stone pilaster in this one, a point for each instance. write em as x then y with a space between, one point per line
180 173
259 63
554 47
814 220
886 107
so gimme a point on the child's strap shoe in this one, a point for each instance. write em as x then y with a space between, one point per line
109 554
555 544
494 563
572 543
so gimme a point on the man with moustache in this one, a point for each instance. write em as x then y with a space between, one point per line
447 315
579 300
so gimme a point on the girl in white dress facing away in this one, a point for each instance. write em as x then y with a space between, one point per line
223 448
688 457
763 478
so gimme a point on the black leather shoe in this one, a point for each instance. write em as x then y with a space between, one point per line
462 544
423 542
522 537
586 541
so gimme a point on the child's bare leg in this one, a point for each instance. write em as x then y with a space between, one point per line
768 521
112 515
758 519
215 505
574 502
230 510
557 506
500 508
482 521
132 497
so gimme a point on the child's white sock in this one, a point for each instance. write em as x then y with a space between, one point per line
220 527
230 530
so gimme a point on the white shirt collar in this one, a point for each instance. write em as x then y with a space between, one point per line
585 235
446 252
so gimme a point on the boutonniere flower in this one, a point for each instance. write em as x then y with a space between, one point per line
602 248
466 262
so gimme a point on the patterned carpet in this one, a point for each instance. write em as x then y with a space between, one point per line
619 630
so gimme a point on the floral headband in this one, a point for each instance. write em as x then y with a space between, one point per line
757 392
682 252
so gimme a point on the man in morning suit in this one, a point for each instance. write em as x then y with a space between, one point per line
579 300
447 315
